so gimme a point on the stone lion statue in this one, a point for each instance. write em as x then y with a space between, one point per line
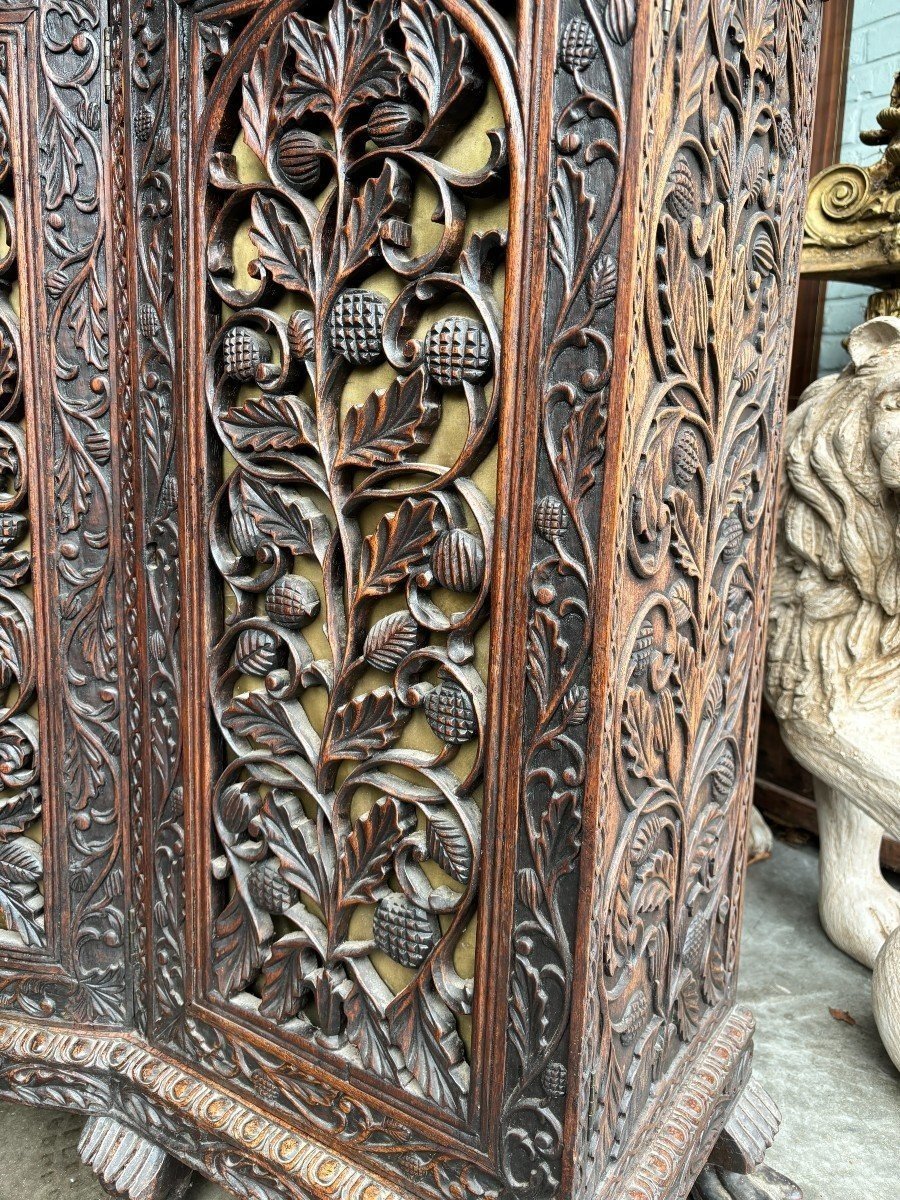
833 675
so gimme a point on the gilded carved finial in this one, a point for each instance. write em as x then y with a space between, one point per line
852 228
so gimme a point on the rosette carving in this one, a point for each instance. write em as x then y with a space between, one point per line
352 384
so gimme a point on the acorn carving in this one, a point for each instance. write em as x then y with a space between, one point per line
355 325
257 652
393 123
13 527
450 713
299 159
292 602
403 931
723 775
457 351
578 48
733 537
642 654
245 537
269 889
391 639
243 350
551 518
683 198
685 456
457 561
143 123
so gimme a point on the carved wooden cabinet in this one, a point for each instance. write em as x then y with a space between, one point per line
391 396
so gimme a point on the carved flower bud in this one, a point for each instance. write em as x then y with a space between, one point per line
642 655
578 48
143 123
148 321
242 352
299 159
763 254
684 199
264 1086
355 327
245 536
13 527
724 774
269 889
257 652
457 350
620 19
450 713
403 931
551 518
168 496
755 170
238 807
301 335
554 1079
787 139
457 561
292 602
685 456
393 123
694 945
733 538
745 365
391 639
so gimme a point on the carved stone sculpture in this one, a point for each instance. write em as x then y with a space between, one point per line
401 390
834 637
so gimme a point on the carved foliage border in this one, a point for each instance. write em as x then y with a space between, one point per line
78 547
639 1039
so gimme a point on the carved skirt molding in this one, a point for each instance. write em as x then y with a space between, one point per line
391 398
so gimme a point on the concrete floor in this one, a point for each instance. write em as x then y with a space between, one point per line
837 1089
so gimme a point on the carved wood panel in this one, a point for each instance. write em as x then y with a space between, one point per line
406 578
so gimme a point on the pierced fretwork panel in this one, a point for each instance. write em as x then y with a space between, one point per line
21 857
355 216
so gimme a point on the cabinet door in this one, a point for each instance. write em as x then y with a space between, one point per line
62 670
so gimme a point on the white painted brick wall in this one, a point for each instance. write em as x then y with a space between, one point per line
874 59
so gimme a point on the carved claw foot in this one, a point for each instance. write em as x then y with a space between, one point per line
735 1170
128 1165
718 1183
760 839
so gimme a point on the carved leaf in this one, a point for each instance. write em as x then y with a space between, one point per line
449 846
388 425
266 721
432 1048
687 531
547 654
293 839
366 1032
21 862
378 199
289 520
285 988
237 951
583 446
560 834
271 423
367 723
436 53
398 547
281 242
620 19
18 811
352 64
367 859
571 211
262 84
528 1012
638 741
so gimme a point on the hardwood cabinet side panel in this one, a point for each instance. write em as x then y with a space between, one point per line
718 220
60 146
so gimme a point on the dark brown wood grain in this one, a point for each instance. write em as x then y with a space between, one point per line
417 375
